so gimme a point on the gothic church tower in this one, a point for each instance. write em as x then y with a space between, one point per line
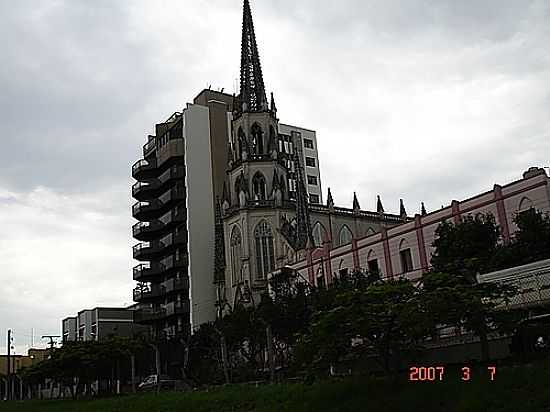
263 183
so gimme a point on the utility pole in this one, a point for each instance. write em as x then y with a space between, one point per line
8 394
270 353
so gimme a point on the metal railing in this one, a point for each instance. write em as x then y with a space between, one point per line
149 146
172 285
148 314
143 186
146 227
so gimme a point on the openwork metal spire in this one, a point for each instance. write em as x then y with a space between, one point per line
219 248
303 225
253 97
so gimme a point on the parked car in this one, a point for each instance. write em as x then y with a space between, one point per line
151 383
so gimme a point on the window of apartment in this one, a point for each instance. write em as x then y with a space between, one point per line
313 198
372 266
312 180
406 260
308 143
310 161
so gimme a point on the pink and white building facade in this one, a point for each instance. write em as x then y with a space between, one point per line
405 250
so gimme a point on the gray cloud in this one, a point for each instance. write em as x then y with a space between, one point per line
421 100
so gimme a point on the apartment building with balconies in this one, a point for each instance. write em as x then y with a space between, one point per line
178 181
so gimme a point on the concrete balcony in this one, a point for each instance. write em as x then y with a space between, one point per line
172 197
146 210
150 146
152 292
147 230
173 263
149 315
147 250
176 285
175 308
146 271
145 190
144 169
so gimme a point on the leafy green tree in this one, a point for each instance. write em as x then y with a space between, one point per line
451 289
385 319
205 363
466 248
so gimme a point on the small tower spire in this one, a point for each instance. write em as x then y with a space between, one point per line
252 97
225 195
423 209
356 207
379 206
273 106
219 248
330 200
402 210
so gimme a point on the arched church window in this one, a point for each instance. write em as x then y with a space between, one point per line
257 139
525 204
238 186
345 236
405 256
265 257
240 142
319 234
236 255
258 186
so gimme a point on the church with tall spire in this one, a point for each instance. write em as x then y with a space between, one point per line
226 194
271 213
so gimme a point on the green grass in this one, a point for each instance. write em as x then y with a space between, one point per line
514 389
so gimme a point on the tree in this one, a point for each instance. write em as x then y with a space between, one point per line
451 289
465 248
385 319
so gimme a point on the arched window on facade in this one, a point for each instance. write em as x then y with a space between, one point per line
241 137
236 255
525 204
319 234
372 263
258 186
265 256
405 255
345 236
257 138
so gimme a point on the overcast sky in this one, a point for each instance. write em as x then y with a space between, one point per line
422 100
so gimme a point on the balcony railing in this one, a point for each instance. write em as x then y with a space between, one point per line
148 314
146 270
145 249
144 228
175 172
152 292
142 188
174 194
140 209
177 308
171 262
173 285
149 146
142 166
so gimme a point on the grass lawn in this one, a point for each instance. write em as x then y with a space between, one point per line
524 389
